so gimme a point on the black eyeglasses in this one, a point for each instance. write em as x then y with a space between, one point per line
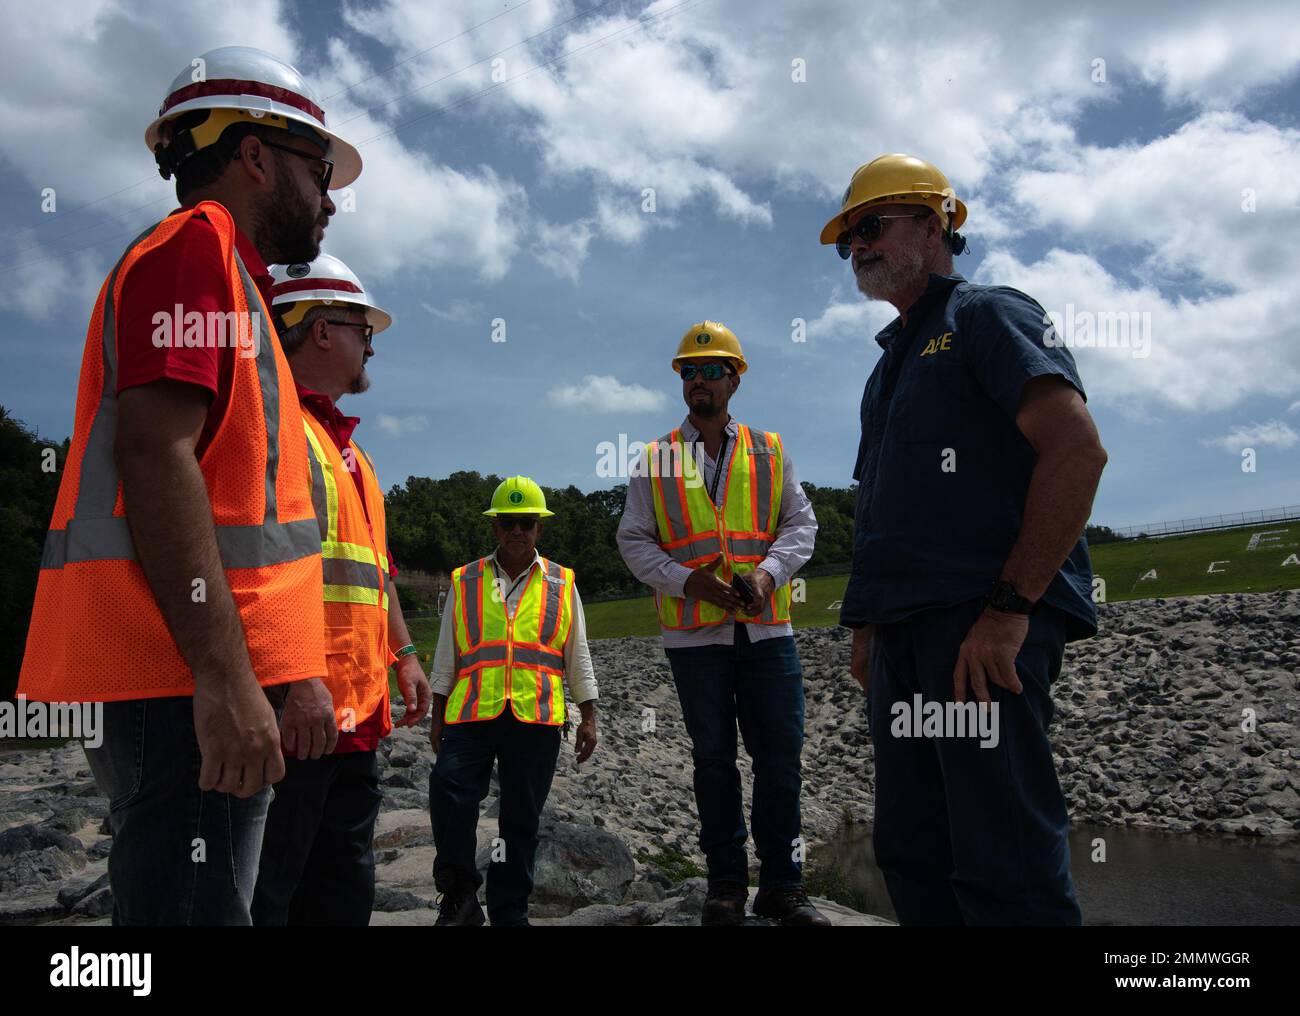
710 371
866 229
329 164
508 522
367 330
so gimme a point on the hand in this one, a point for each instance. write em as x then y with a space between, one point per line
585 741
308 727
237 735
860 657
704 585
436 722
414 687
988 653
763 584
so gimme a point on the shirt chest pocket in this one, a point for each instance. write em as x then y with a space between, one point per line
933 402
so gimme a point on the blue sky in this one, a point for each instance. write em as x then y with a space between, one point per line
1127 195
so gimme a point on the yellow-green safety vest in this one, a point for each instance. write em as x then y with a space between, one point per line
519 658
693 530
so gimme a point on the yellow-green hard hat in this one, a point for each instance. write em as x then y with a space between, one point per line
518 495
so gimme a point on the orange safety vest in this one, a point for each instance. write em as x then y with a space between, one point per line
96 631
354 562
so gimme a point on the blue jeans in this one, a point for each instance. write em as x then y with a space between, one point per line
180 855
760 686
966 834
525 754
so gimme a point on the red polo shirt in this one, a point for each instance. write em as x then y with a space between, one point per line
187 272
340 428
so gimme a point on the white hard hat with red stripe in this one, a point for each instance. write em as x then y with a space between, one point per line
327 281
239 84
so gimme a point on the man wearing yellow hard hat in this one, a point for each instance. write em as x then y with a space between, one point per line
513 635
976 470
717 525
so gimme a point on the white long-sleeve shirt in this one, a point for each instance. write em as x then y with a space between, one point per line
638 542
579 674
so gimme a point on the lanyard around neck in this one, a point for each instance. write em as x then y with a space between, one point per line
717 469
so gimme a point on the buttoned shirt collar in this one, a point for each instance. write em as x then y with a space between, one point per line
936 285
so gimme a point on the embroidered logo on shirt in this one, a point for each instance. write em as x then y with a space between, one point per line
943 342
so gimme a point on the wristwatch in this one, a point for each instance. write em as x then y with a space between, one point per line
1003 597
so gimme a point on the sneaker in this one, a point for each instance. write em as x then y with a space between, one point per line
789 906
725 904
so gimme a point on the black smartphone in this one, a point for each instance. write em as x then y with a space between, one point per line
741 585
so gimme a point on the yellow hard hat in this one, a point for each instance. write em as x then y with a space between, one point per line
518 495
897 179
712 340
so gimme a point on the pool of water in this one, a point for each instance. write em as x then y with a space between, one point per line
1147 877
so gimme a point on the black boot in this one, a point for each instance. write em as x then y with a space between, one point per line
725 904
789 906
458 906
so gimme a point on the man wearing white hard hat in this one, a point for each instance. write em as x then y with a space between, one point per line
318 866
181 581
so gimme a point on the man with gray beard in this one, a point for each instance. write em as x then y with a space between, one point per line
976 471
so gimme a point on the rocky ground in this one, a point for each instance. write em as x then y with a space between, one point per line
1182 715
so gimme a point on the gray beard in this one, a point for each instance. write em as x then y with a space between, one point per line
900 274
359 383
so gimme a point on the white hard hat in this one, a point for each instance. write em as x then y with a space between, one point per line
255 87
326 281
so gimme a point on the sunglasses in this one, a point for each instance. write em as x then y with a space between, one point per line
508 522
329 165
709 371
867 229
367 330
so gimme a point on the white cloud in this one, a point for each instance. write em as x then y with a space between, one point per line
855 317
1203 354
602 393
561 248
401 426
458 311
1293 408
38 283
1274 433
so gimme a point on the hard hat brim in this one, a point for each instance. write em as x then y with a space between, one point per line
704 354
346 159
541 513
832 230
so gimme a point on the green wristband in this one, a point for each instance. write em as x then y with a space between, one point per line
406 650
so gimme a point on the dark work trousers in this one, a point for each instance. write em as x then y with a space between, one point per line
525 754
758 685
180 855
967 834
318 860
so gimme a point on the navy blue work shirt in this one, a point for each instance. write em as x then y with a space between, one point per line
942 468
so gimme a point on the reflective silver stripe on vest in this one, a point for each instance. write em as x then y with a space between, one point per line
471 582
555 586
763 478
544 698
743 546
704 545
484 654
471 697
319 497
553 658
94 533
342 572
668 487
